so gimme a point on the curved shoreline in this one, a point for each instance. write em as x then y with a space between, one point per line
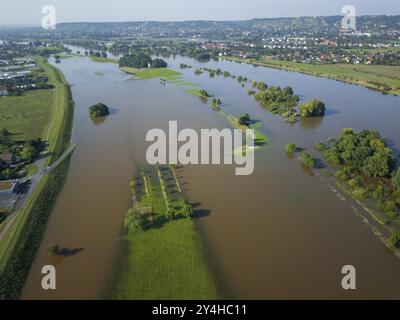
275 64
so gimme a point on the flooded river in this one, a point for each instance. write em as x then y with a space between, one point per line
279 233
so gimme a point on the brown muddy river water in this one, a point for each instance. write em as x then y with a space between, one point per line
279 233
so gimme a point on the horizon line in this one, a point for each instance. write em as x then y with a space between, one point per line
198 20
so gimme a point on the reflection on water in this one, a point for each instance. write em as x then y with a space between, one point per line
310 123
279 233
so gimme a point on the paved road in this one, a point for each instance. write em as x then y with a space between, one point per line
20 199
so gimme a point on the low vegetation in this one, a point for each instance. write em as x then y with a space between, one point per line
314 108
307 159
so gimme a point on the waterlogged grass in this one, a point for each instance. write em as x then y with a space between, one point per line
195 92
166 263
151 73
382 78
103 60
183 83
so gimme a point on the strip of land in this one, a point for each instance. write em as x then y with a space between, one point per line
151 73
165 257
19 245
381 78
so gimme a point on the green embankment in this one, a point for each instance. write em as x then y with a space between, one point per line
20 243
165 261
382 78
19 246
59 131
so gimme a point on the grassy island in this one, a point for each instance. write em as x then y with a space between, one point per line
165 259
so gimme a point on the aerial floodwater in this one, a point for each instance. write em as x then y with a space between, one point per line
278 233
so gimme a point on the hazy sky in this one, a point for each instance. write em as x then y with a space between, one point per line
29 11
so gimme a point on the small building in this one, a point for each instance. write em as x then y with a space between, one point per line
3 90
7 158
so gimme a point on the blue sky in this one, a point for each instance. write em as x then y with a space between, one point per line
29 11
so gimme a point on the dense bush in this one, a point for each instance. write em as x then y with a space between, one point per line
275 96
158 63
314 108
363 152
99 110
137 60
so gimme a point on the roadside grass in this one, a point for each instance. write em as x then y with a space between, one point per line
31 169
27 116
151 73
381 78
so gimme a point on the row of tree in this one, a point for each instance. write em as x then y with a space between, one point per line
140 60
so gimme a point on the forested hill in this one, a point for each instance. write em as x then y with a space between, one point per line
263 27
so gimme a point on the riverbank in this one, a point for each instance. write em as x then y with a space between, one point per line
19 245
164 258
381 78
